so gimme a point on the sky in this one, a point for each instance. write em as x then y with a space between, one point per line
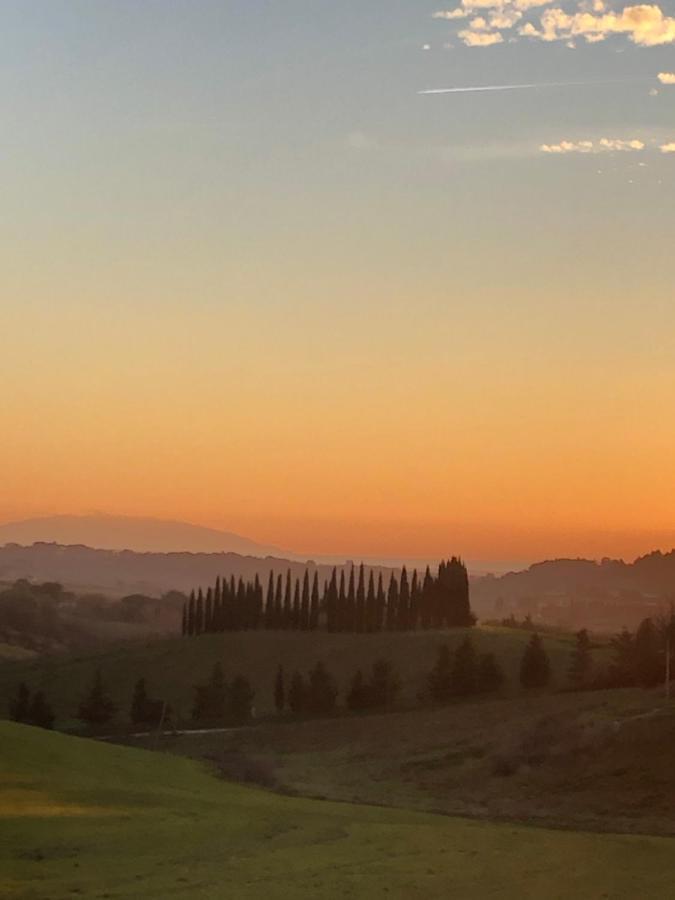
252 276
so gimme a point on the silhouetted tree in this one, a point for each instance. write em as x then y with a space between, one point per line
464 675
269 603
321 691
622 668
144 710
384 684
648 659
97 708
535 669
191 615
392 603
40 712
439 680
304 603
360 608
358 695
199 613
314 604
210 700
582 661
490 674
240 700
20 704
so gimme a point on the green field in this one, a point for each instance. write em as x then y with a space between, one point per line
79 818
172 667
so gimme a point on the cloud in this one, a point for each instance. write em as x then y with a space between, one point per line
644 25
604 145
668 148
666 77
480 38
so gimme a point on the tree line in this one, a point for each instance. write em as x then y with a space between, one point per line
349 603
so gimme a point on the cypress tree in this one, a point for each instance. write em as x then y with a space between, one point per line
304 605
210 702
199 613
426 601
439 680
341 616
535 669
183 628
269 603
464 670
413 609
490 674
217 619
288 603
380 604
295 613
257 612
96 708
392 603
191 615
350 610
240 606
321 691
314 604
240 699
331 602
371 605
622 670
403 602
208 611
279 691
384 684
40 712
20 704
279 604
648 662
360 607
582 661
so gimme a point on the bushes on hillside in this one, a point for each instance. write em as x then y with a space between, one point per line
97 707
314 696
535 668
379 691
145 710
217 703
33 710
463 675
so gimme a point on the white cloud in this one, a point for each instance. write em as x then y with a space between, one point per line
604 145
480 38
666 77
668 148
451 14
644 25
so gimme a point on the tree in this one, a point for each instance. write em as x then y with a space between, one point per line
582 661
241 696
622 669
358 696
535 668
279 691
321 691
648 660
40 712
439 680
304 604
144 710
97 708
20 704
210 702
490 674
384 684
314 604
191 615
464 675
297 694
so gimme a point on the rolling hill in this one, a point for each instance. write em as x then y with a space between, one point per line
89 819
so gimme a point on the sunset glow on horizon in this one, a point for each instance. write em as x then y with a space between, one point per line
266 286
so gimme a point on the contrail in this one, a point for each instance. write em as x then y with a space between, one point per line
510 87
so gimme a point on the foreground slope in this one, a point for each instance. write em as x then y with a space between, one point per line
79 818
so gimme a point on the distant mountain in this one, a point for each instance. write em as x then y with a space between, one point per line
131 533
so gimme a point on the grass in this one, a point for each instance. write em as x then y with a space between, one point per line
79 818
598 760
172 667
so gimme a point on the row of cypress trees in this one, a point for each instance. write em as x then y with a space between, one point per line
352 603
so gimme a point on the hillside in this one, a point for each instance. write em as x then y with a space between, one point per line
130 533
125 572
89 819
172 667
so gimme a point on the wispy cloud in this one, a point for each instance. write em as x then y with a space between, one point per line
604 145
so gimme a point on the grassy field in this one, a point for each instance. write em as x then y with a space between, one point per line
597 760
172 667
79 818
